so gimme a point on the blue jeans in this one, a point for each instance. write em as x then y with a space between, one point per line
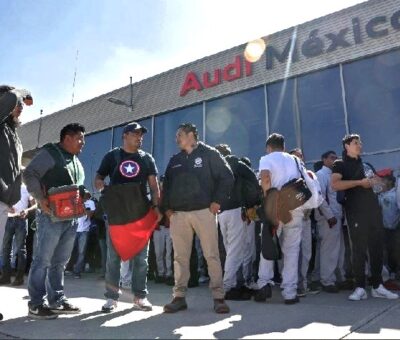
81 239
103 250
17 227
139 272
55 241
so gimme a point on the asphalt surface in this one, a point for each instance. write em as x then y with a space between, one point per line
329 316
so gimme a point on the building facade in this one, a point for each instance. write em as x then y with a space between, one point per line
314 83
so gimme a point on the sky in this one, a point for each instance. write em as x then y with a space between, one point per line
47 44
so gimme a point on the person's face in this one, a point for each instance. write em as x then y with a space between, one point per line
328 161
74 143
183 139
134 139
299 154
355 147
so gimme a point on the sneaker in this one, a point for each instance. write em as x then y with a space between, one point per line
246 293
292 301
65 308
203 279
358 294
142 304
77 276
330 288
382 292
109 306
301 292
177 304
42 312
264 293
220 307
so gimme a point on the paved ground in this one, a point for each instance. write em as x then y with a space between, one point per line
329 316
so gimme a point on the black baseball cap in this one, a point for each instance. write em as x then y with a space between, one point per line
134 126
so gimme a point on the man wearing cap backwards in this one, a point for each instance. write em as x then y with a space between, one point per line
54 168
11 106
128 165
197 181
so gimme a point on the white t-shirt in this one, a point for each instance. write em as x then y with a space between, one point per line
23 203
282 168
84 221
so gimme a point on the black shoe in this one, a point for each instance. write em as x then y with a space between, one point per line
330 289
246 292
233 294
5 279
65 308
42 313
346 285
315 287
193 283
177 304
264 293
170 281
292 301
18 281
159 279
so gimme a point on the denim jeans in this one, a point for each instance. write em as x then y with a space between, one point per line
17 227
55 241
139 272
103 250
81 239
3 220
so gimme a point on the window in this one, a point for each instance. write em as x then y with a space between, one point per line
238 120
96 146
165 127
281 112
147 139
321 112
373 100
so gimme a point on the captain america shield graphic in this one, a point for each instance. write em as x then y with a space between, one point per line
129 169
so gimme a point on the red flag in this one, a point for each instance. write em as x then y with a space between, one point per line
131 220
129 239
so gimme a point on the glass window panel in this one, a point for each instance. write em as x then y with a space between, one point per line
96 146
238 120
147 139
321 112
165 127
373 99
281 111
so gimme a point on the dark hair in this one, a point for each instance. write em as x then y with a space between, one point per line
295 150
326 154
276 141
223 149
317 166
246 161
71 129
348 139
189 127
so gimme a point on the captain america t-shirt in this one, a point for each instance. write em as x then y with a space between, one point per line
131 167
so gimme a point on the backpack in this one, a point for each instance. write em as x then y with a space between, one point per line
251 192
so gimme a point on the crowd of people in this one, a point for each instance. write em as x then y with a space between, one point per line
209 218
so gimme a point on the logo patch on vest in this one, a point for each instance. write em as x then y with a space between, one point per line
129 169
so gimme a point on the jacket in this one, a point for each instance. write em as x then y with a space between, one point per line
193 181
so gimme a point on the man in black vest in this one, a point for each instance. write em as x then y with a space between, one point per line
53 167
364 218
126 166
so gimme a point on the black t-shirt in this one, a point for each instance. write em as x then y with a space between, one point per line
358 199
123 167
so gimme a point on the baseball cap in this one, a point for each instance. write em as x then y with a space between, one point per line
134 126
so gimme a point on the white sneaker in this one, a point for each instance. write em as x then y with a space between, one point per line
142 304
109 306
358 294
203 279
382 292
